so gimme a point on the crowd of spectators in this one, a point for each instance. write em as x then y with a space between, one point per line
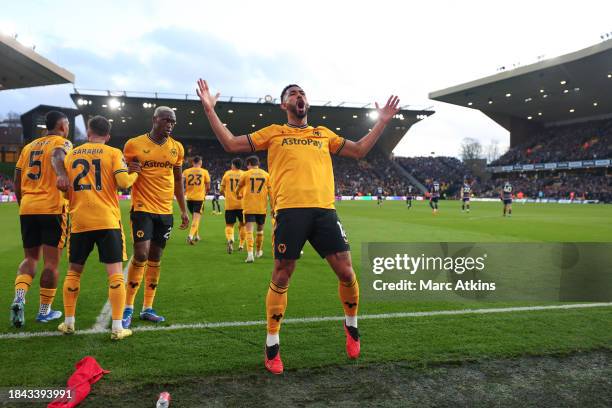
352 177
6 182
365 176
448 171
585 184
584 141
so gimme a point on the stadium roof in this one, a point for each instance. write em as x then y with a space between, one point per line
33 121
132 115
22 67
571 87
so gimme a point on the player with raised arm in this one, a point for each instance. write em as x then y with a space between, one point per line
160 179
233 205
39 177
197 183
254 190
95 172
302 180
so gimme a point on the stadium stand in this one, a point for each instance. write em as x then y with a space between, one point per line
448 171
592 184
131 115
352 177
590 140
557 111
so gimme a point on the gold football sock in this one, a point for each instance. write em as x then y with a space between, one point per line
242 234
198 219
46 299
151 280
249 241
349 295
195 224
116 295
259 240
135 272
229 232
72 287
22 284
276 303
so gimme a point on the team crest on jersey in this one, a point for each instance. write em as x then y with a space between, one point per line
140 233
316 132
173 152
282 248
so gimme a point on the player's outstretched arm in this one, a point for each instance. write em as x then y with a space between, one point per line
360 149
231 143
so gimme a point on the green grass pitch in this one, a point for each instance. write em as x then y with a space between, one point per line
203 283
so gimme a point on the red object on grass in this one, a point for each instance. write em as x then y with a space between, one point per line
88 372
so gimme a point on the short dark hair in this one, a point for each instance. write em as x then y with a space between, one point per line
237 162
52 118
285 90
252 161
99 125
197 159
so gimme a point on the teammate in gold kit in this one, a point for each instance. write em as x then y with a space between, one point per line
161 158
233 205
39 175
254 190
302 181
197 184
95 172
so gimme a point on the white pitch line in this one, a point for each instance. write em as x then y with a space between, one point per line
399 315
105 314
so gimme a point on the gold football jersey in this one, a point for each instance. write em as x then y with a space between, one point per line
299 162
153 191
39 193
229 189
254 187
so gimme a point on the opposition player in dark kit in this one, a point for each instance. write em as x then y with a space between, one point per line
380 192
506 197
434 196
466 193
409 196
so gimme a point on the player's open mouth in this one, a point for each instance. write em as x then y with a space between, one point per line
301 105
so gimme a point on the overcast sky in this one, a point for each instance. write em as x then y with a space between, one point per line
358 51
